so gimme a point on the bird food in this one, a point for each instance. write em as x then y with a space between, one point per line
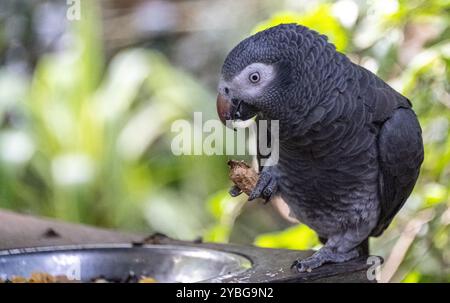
243 176
40 277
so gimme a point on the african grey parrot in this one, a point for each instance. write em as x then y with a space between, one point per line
350 146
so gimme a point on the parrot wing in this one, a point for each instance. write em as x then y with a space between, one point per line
400 146
400 152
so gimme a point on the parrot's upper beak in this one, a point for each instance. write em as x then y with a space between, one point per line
233 109
223 108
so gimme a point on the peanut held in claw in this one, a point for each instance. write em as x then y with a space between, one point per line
242 175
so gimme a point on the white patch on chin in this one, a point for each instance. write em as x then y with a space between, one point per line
243 123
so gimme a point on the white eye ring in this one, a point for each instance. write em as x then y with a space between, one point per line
254 77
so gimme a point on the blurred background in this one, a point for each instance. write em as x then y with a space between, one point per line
86 106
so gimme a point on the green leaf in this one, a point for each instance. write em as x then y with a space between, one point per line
412 277
225 209
297 237
434 193
320 19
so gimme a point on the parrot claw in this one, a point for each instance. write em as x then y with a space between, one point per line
265 187
306 265
235 191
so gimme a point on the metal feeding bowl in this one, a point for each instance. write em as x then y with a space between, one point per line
173 262
164 263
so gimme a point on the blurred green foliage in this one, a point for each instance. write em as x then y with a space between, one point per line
95 138
87 138
297 237
328 23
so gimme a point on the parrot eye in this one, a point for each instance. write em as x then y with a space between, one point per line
254 77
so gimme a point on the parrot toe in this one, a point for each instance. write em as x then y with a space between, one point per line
321 257
307 265
235 191
265 187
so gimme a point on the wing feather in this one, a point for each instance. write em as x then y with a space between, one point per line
400 150
400 146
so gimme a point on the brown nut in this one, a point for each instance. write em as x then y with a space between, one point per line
243 176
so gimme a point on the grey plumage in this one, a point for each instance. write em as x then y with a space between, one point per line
350 145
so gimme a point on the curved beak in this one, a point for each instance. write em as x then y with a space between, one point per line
233 110
224 108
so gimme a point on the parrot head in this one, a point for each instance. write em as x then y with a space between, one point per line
257 74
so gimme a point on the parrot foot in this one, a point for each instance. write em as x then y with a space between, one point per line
321 257
265 187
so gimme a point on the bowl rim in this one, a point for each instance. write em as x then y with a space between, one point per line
242 262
